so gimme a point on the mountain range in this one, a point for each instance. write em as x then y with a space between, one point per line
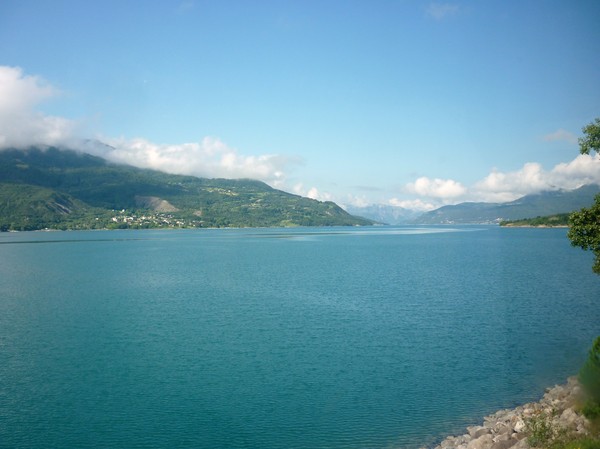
541 204
383 213
529 206
65 189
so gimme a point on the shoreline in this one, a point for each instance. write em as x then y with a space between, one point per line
533 226
507 429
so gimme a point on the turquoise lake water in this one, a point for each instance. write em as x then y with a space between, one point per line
276 338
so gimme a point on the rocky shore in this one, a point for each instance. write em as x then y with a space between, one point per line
508 429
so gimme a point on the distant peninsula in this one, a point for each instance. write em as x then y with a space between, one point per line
64 189
550 221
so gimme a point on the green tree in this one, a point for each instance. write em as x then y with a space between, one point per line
591 141
589 376
585 225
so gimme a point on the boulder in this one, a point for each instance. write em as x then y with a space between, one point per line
502 437
504 444
502 428
519 436
483 442
519 426
569 418
522 444
477 431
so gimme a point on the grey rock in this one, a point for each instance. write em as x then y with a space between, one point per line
501 437
477 431
569 418
502 428
522 444
519 436
506 429
519 426
483 442
504 444
447 443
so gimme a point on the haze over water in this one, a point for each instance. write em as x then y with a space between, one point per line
283 338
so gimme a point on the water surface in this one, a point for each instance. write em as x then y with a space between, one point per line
283 338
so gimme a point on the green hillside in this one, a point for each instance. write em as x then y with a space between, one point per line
63 189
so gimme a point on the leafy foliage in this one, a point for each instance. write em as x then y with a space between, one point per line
591 410
589 375
585 231
90 192
543 432
582 443
591 140
585 224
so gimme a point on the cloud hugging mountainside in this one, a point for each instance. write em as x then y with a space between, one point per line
64 189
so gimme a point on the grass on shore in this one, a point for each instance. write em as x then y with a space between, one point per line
545 434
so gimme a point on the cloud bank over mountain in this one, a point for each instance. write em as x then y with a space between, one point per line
532 178
499 186
210 158
22 125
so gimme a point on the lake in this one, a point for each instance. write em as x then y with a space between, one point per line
383 337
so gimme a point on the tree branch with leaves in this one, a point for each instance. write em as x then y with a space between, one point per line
585 225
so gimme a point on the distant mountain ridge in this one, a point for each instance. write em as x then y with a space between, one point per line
64 189
529 206
383 213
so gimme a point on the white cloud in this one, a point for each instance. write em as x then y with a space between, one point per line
21 125
532 178
440 11
316 194
436 188
209 158
584 169
561 135
416 204
356 201
312 192
500 186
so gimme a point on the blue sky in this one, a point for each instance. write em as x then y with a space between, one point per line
411 103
